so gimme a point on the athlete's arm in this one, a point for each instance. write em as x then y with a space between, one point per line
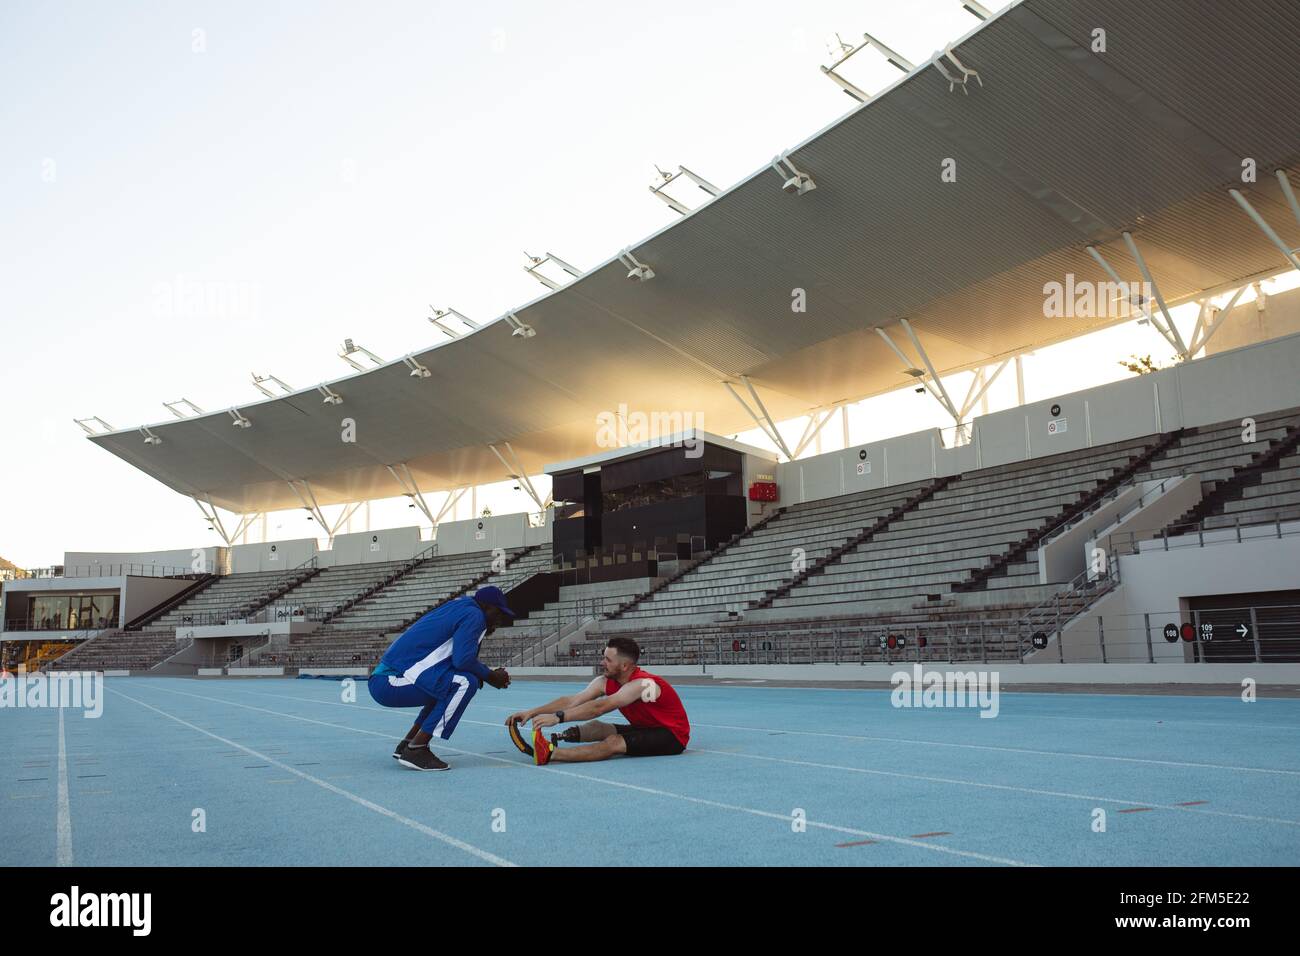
593 690
627 694
464 649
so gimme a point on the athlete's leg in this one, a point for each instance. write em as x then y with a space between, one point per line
442 719
383 691
590 732
611 746
425 711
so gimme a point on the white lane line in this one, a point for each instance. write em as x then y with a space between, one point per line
783 817
999 786
64 853
883 687
1169 723
884 773
1225 724
1013 750
324 785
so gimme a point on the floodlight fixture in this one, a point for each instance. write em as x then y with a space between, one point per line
171 407
668 178
637 271
794 181
966 74
521 329
258 381
81 423
350 348
535 263
417 370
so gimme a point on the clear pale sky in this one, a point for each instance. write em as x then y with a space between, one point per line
331 169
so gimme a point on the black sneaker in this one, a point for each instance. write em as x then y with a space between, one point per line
421 758
401 749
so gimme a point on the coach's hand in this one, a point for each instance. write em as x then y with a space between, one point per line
499 678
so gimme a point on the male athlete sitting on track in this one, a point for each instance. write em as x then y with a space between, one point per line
434 665
657 724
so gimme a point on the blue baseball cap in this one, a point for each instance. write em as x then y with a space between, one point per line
492 595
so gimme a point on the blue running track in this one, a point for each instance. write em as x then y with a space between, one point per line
287 773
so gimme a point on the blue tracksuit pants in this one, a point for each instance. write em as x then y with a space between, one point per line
440 710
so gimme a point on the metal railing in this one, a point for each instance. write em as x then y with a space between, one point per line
1196 535
102 571
1082 591
279 612
244 659
1256 633
1249 634
527 651
982 641
38 627
1106 499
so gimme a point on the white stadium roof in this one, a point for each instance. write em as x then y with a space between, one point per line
1058 149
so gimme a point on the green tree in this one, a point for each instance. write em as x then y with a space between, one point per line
1140 365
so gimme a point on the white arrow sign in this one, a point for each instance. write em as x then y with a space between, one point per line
1242 630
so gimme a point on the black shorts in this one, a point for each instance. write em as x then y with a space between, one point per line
649 741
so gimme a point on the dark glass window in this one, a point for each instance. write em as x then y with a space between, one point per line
61 612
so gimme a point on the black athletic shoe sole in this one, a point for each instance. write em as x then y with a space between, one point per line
415 766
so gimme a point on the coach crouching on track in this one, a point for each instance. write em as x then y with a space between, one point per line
434 665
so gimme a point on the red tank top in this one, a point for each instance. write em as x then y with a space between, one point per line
667 711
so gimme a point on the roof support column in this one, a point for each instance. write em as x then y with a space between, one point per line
916 344
979 385
1214 317
939 396
1289 193
516 471
1244 203
308 499
761 417
984 383
404 478
1199 327
245 523
766 416
1134 298
817 420
449 504
214 519
1155 290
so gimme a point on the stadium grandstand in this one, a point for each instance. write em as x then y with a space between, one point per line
754 555
1137 532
